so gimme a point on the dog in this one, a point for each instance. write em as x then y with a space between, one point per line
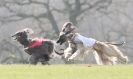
38 49
105 52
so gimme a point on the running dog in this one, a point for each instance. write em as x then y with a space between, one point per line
38 49
105 52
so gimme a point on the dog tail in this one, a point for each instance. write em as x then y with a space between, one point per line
117 44
58 52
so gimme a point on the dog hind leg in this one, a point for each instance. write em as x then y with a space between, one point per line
119 54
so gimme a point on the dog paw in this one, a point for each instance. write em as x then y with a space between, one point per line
69 59
126 60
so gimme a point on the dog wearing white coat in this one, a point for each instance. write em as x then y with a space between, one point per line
105 52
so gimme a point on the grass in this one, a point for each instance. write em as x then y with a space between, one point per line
66 72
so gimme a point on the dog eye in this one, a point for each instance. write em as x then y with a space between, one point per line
19 34
63 30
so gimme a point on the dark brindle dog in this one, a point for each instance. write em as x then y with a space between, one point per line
39 49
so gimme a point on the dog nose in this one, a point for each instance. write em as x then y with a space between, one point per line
12 35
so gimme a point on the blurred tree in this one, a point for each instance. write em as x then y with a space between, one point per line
17 11
75 8
11 53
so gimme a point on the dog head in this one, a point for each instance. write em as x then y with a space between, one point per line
66 32
22 35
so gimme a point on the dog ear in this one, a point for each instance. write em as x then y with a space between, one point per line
29 30
67 25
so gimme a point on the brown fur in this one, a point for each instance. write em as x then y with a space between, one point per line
106 53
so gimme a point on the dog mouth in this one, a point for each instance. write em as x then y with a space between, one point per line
62 39
16 38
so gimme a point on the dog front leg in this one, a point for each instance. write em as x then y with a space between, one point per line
68 52
77 53
97 58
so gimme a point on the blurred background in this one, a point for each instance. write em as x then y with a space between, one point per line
104 20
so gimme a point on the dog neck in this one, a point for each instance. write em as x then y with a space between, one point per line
72 37
25 42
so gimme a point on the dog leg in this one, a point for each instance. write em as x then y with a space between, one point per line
97 58
119 54
68 52
100 48
45 63
33 60
81 50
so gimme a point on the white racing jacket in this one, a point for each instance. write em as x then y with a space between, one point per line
87 42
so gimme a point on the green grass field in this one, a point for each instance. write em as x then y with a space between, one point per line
66 72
